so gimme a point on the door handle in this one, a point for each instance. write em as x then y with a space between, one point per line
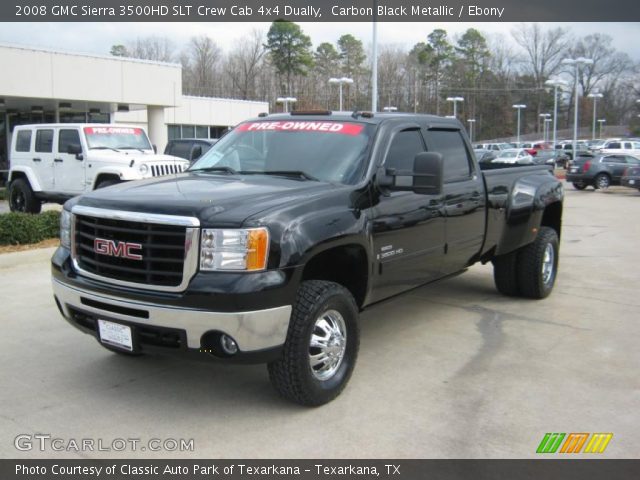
37 159
58 160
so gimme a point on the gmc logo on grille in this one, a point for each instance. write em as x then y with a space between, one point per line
115 248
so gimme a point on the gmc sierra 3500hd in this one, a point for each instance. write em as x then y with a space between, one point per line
268 247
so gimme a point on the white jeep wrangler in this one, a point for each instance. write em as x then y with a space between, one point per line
54 162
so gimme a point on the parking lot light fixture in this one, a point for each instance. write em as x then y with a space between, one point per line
601 121
576 63
556 83
471 122
340 82
455 101
519 107
390 109
286 101
595 97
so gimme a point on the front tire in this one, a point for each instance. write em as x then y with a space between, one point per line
22 198
321 347
579 186
538 265
106 183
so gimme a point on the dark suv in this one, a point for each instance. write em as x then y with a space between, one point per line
599 171
189 148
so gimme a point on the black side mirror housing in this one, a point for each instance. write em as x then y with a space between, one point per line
74 148
196 153
427 173
155 148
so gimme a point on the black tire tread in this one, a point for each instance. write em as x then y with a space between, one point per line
285 374
529 261
32 204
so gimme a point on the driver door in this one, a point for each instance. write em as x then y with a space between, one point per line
69 169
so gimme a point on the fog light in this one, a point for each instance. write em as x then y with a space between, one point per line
229 345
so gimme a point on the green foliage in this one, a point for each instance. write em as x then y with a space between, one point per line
119 51
326 59
290 50
24 228
352 55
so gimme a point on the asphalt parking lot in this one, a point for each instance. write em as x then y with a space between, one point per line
448 370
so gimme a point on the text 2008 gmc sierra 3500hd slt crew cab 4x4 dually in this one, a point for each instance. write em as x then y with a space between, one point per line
274 240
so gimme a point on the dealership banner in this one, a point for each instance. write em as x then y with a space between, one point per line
583 469
319 10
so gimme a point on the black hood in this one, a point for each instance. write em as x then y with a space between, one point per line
216 200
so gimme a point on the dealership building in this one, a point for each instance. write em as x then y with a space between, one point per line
46 86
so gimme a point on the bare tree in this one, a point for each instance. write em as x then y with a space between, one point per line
203 56
159 49
243 63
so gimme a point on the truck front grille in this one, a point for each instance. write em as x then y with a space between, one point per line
131 251
159 170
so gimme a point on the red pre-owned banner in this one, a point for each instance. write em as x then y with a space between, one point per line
343 128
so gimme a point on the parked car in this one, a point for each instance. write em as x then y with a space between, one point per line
567 148
538 145
189 148
555 158
514 156
599 171
275 240
54 162
492 146
595 144
621 147
631 177
484 156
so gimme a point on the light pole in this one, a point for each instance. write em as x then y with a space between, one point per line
286 101
555 83
601 121
374 59
576 62
519 107
547 121
595 97
390 109
341 81
471 122
543 117
455 101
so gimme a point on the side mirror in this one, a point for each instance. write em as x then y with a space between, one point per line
196 153
427 173
74 148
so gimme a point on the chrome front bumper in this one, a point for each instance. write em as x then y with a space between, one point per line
252 331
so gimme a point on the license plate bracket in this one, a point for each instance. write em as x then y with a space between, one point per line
115 335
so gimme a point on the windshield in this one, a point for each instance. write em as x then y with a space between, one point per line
508 154
116 138
324 150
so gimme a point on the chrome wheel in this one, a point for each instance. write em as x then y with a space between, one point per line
548 264
328 344
602 182
18 201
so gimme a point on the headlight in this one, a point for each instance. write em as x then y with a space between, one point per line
65 228
238 249
143 169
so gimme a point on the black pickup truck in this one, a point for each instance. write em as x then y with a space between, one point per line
268 248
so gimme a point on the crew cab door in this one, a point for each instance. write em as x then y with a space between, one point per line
42 158
408 228
464 198
69 167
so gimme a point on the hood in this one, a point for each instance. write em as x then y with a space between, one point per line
125 156
216 200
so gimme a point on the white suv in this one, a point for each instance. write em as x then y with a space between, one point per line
54 162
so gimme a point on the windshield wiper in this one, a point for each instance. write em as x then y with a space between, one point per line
131 148
285 173
228 170
104 148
